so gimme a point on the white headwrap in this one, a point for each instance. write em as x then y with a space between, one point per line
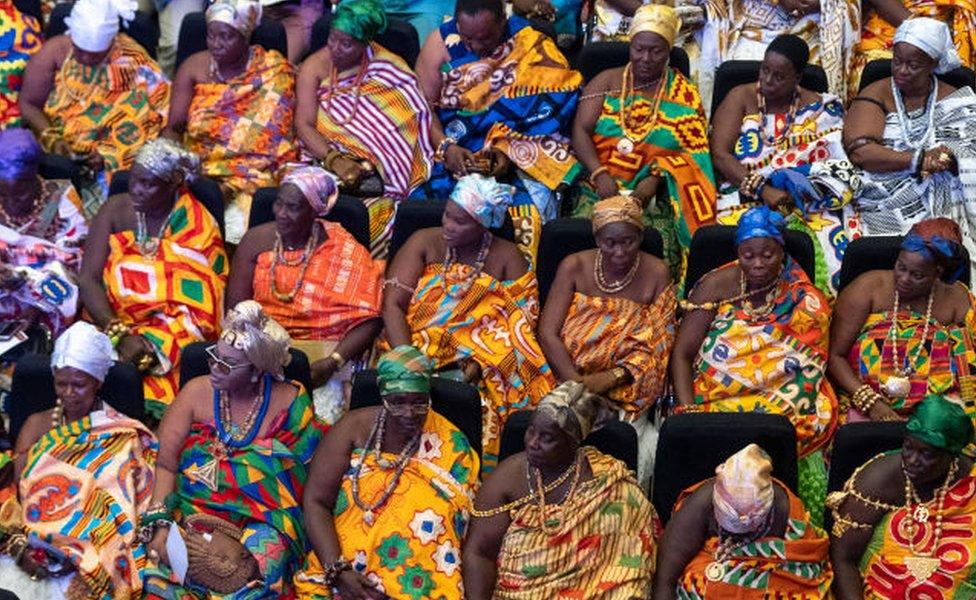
85 348
932 37
93 24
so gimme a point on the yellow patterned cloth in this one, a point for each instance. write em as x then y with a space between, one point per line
113 108
493 323
242 129
603 546
83 488
601 333
413 548
173 297
20 37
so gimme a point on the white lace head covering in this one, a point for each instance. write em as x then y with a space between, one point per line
932 37
85 348
93 24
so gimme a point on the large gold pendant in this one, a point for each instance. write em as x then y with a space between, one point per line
897 386
921 567
625 146
715 571
920 514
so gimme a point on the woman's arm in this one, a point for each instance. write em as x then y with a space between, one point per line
406 268
726 126
893 11
37 85
864 127
691 333
584 125
683 538
485 534
181 95
240 280
351 347
554 316
90 286
307 103
31 431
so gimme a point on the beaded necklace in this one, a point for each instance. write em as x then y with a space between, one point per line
553 512
687 305
775 140
238 437
149 245
626 144
464 284
600 277
278 258
920 141
334 87
899 385
373 444
21 224
510 506
716 570
922 564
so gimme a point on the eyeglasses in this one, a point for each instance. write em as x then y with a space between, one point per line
408 409
220 365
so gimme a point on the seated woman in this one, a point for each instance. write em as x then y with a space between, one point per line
754 339
609 319
311 276
21 42
234 107
900 335
360 111
41 233
85 474
793 162
716 543
154 269
94 95
378 534
234 449
560 520
903 522
911 137
467 299
641 130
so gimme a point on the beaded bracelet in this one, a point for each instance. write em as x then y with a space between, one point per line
333 569
864 399
442 148
116 330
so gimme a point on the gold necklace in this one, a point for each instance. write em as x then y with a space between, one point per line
557 511
239 433
768 301
510 506
899 385
613 288
687 305
630 138
716 570
278 258
922 565
148 245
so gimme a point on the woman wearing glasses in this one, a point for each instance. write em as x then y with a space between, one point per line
231 470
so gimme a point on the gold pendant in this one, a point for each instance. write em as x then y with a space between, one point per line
921 567
715 571
898 386
921 514
369 517
625 146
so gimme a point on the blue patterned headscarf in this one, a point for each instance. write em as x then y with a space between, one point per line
938 241
483 198
760 222
21 153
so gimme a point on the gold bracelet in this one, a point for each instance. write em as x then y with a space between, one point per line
339 361
600 171
620 375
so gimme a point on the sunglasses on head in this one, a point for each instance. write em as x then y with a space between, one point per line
219 364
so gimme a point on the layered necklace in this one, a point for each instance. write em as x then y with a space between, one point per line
464 284
373 444
906 125
774 140
899 385
22 223
769 298
278 258
922 564
148 245
356 87
504 508
716 570
553 513
57 414
625 116
600 276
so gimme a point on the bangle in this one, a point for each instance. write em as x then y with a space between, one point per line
620 375
442 148
751 184
334 569
864 399
599 171
147 532
116 330
339 361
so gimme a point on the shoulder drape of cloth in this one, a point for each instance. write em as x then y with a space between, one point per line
83 488
20 38
174 297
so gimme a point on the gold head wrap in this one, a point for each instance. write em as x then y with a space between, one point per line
263 340
242 15
572 407
656 18
617 209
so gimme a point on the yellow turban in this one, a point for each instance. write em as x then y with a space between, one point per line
656 18
617 209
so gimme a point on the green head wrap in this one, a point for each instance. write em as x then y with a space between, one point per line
403 370
941 424
362 19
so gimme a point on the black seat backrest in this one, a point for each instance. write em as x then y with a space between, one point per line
733 73
877 70
204 189
596 57
144 28
400 38
414 215
193 363
879 252
193 36
349 212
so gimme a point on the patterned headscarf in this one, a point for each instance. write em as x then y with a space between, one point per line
21 153
318 187
656 18
362 19
242 15
941 424
483 198
264 342
168 161
760 222
93 24
82 346
403 370
932 37
938 241
743 493
617 209
572 407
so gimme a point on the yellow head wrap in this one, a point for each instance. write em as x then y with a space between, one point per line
617 209
656 18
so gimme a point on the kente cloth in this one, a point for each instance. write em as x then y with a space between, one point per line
602 333
877 35
258 488
342 287
413 548
811 147
173 297
795 566
943 365
521 101
674 142
20 37
47 253
113 108
82 490
885 564
600 542
492 323
890 203
243 129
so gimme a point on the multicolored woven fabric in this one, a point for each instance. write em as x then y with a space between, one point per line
492 324
242 129
603 546
173 297
259 489
795 566
886 577
601 333
20 37
342 287
82 490
413 549
673 141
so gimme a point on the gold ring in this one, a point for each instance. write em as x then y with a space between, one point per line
944 157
